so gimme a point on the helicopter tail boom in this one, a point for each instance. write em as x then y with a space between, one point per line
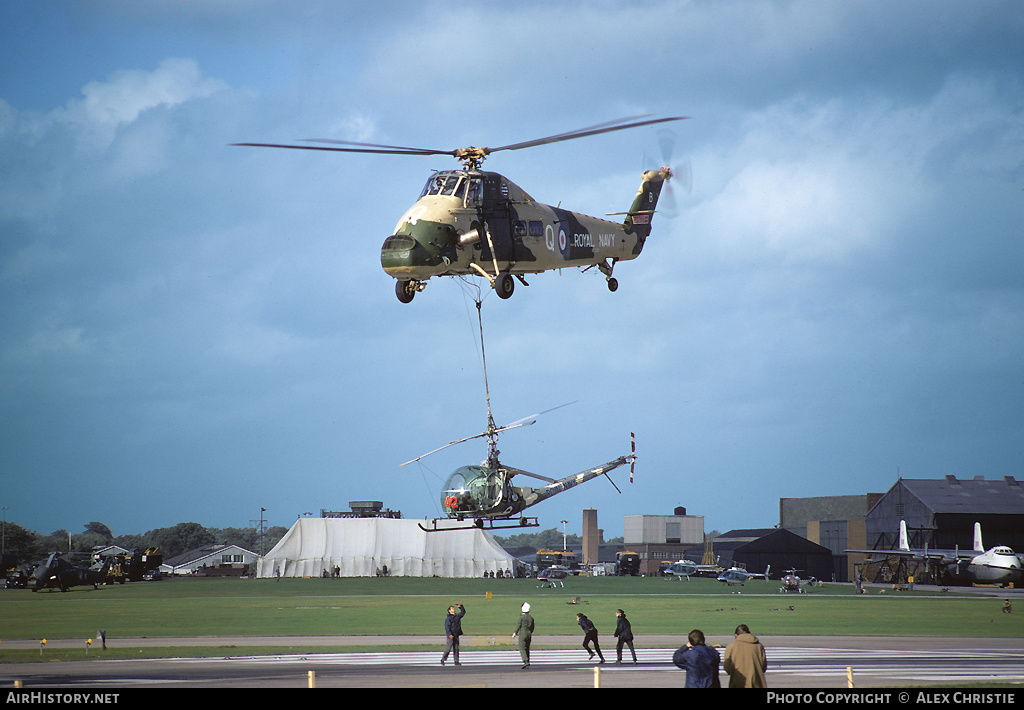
564 484
641 212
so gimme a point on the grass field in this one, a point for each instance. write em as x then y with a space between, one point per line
412 606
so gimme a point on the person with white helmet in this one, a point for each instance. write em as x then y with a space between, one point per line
524 633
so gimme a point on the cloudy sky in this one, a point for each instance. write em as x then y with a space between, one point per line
193 331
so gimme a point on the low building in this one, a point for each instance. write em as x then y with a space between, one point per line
662 539
756 549
211 561
835 522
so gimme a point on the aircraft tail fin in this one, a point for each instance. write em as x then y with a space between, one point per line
641 212
904 544
978 546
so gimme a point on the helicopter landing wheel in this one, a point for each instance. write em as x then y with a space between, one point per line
504 285
405 290
613 284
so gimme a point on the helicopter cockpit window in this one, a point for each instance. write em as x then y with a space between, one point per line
472 489
445 184
433 186
460 190
475 192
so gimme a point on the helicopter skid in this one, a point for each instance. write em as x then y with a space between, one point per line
481 524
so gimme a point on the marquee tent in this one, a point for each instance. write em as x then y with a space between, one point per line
360 547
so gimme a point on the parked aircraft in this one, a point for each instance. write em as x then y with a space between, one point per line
553 575
791 582
687 569
736 575
58 572
997 565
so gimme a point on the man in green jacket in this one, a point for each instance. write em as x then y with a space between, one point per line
524 632
745 660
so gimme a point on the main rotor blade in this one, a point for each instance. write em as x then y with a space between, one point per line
441 448
583 132
526 421
417 151
340 146
386 150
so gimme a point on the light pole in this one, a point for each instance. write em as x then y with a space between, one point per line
564 547
3 544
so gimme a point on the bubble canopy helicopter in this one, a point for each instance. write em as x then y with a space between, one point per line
471 222
484 493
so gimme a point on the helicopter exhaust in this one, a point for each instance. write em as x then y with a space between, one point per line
469 238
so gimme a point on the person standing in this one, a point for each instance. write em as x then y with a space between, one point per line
745 660
699 661
624 634
452 632
524 633
589 635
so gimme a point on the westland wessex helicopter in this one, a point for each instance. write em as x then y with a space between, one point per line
470 222
58 573
484 493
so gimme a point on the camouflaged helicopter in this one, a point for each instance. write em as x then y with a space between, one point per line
471 222
484 493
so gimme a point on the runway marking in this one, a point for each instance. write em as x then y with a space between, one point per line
916 665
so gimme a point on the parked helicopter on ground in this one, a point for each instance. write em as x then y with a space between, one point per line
58 573
684 569
791 582
471 222
553 575
484 493
737 575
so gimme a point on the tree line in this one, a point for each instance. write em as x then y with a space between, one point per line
543 540
25 545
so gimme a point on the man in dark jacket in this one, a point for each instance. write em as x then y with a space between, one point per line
699 661
589 634
624 634
452 631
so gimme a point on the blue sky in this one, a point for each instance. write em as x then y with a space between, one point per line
194 331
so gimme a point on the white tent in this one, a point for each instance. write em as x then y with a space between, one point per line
361 546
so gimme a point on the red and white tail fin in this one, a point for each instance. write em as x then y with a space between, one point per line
632 461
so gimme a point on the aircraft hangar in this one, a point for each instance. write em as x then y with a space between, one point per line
939 512
754 550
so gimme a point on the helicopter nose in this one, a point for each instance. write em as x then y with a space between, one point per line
406 256
396 255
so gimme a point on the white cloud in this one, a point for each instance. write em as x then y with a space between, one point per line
126 94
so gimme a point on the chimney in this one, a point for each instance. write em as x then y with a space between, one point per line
591 536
